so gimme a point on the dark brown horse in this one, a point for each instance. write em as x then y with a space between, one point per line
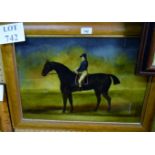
99 82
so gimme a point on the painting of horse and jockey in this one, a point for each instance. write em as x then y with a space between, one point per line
80 79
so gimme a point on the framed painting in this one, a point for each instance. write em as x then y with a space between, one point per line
146 56
61 79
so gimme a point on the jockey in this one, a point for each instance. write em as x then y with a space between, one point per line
82 70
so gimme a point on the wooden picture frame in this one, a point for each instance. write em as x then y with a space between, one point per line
72 29
146 56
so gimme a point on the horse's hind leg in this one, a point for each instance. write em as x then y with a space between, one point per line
71 102
108 98
64 96
98 95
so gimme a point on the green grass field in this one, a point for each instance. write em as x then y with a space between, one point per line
48 105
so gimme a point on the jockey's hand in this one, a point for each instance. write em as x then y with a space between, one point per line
75 71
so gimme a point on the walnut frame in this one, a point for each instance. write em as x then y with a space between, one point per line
20 124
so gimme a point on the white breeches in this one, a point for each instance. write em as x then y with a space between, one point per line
82 77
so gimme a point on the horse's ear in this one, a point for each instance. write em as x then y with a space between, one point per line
47 60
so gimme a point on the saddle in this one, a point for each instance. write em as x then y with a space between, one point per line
84 82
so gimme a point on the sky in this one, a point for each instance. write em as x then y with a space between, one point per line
102 47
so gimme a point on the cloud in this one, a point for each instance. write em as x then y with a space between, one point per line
106 52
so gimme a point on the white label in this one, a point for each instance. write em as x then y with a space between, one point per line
86 30
1 92
12 33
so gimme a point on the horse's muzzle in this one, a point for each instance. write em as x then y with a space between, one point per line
43 74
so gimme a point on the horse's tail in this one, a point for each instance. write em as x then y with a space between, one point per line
115 79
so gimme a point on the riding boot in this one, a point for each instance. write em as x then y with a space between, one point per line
80 87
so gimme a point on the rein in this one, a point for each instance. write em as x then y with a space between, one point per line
50 73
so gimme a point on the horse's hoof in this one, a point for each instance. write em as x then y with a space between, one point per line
71 111
109 110
95 109
63 111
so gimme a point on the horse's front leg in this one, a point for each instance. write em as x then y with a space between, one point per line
64 96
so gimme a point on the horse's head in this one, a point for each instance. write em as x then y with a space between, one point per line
47 68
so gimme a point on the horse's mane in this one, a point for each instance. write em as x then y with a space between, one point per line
61 66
